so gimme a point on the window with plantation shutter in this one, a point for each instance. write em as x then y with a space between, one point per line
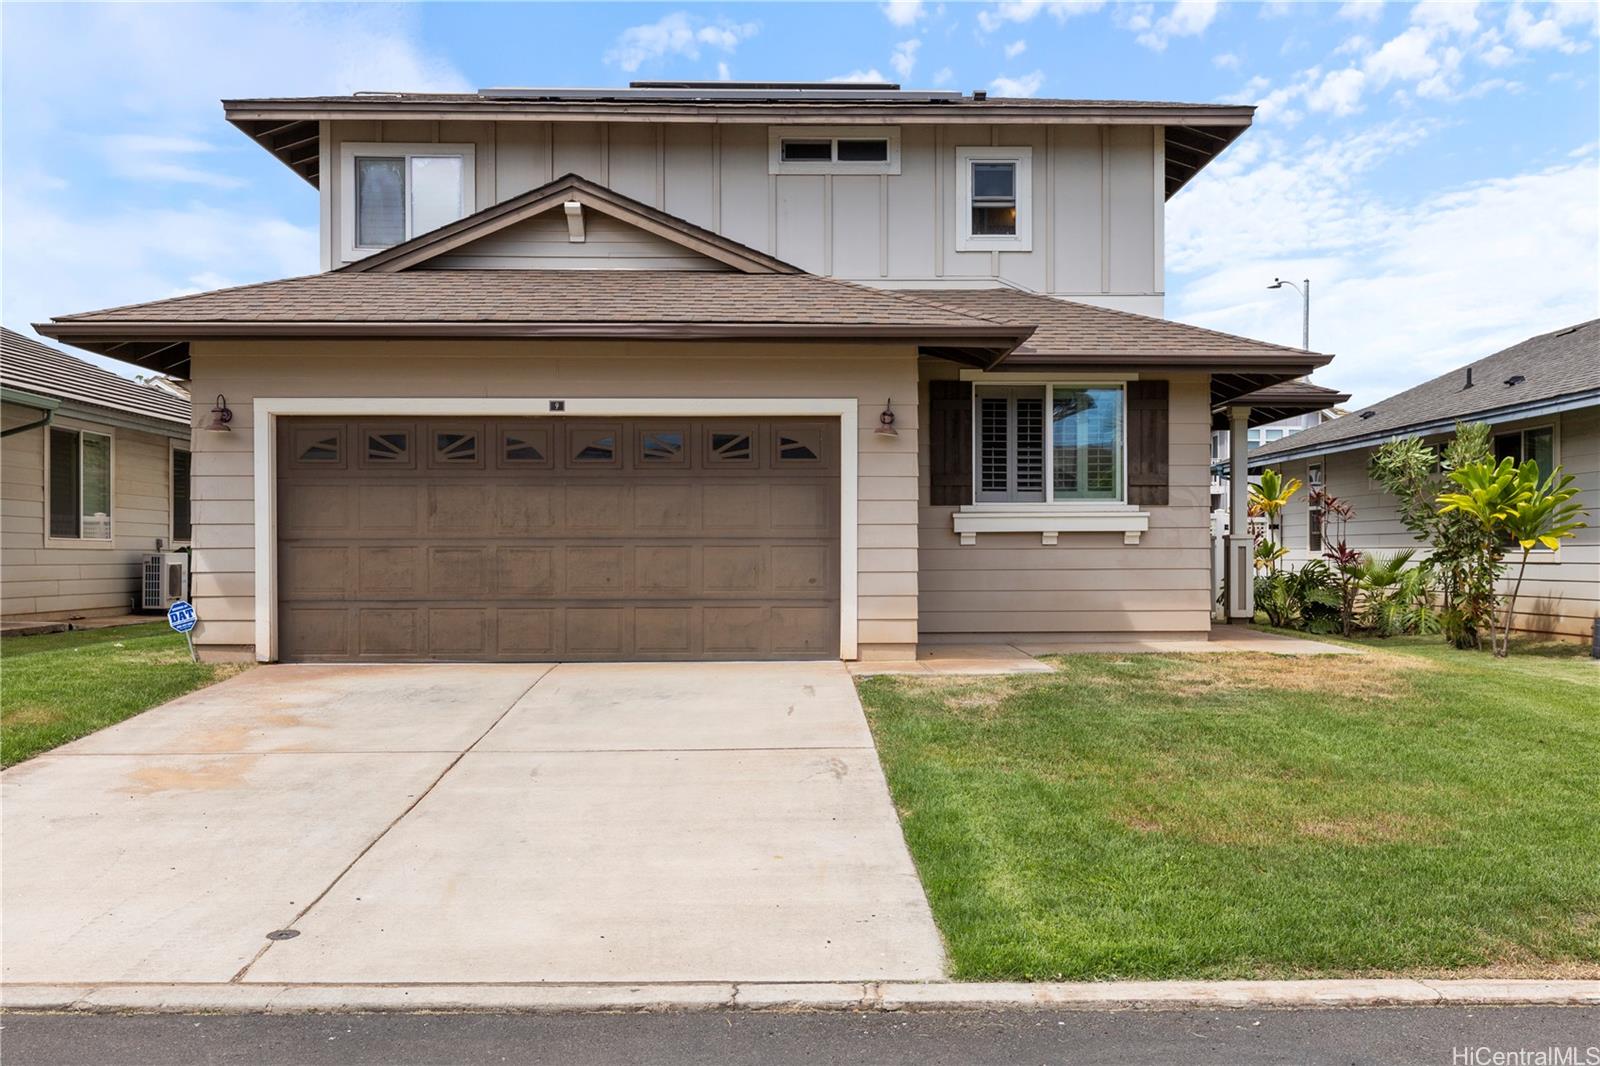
1010 444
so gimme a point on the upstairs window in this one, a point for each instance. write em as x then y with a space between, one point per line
833 150
994 190
80 485
393 192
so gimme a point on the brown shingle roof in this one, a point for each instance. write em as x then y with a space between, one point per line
1083 335
29 366
535 303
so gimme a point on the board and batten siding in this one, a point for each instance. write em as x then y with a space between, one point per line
542 243
1561 591
1011 586
55 579
1097 211
224 474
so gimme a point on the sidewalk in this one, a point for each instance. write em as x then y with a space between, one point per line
247 998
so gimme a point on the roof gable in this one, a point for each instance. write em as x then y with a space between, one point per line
554 196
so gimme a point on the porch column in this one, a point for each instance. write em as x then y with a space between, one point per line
1241 552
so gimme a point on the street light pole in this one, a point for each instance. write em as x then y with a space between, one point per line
1305 308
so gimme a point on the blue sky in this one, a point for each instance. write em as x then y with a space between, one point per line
1431 167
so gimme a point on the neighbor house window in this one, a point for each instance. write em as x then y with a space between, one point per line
993 193
1538 444
1048 443
833 150
394 192
182 525
80 485
1315 479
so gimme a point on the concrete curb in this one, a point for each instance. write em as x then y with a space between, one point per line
249 998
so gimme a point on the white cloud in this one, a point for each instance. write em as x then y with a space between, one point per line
1338 92
1225 61
943 76
1548 32
148 157
991 19
1026 85
1402 289
868 75
1362 10
675 34
904 59
903 12
723 72
1186 18
1456 16
1016 48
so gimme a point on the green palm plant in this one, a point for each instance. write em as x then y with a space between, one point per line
1267 500
1379 578
1513 506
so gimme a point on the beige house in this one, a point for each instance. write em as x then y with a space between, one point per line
690 371
1540 397
94 476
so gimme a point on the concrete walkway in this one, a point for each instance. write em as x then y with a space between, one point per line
429 825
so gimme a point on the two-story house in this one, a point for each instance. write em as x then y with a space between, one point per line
708 371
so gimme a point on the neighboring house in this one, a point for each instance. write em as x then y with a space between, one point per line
1259 436
94 475
690 371
1542 399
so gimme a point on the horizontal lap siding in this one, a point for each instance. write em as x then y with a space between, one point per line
61 581
224 490
1560 592
1011 584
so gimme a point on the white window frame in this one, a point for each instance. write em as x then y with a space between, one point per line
347 184
776 135
173 447
1313 482
1022 240
1051 517
80 541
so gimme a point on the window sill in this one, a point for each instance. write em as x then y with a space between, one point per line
79 542
1050 520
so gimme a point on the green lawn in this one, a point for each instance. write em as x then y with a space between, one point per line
1413 809
61 686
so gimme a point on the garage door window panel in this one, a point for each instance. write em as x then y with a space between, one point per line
662 447
387 447
456 448
525 446
318 447
593 446
730 446
797 445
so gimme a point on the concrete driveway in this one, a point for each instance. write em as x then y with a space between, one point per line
436 824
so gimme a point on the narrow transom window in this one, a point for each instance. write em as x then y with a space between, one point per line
182 523
80 484
833 150
807 151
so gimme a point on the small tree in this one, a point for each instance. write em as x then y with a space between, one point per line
1336 515
1415 475
1513 507
1267 500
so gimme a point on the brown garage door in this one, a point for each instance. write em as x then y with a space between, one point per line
558 539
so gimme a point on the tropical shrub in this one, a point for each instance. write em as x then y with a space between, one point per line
1458 563
1268 498
1512 507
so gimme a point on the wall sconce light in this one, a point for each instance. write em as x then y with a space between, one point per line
220 416
886 422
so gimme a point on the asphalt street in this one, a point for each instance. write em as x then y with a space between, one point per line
1437 1036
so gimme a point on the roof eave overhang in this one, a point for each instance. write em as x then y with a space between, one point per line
291 129
164 346
1512 413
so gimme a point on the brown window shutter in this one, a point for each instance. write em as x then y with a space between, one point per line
1147 443
949 443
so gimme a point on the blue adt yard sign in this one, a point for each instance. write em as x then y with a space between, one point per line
181 616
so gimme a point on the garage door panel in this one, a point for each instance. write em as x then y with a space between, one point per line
390 630
560 539
525 571
316 571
